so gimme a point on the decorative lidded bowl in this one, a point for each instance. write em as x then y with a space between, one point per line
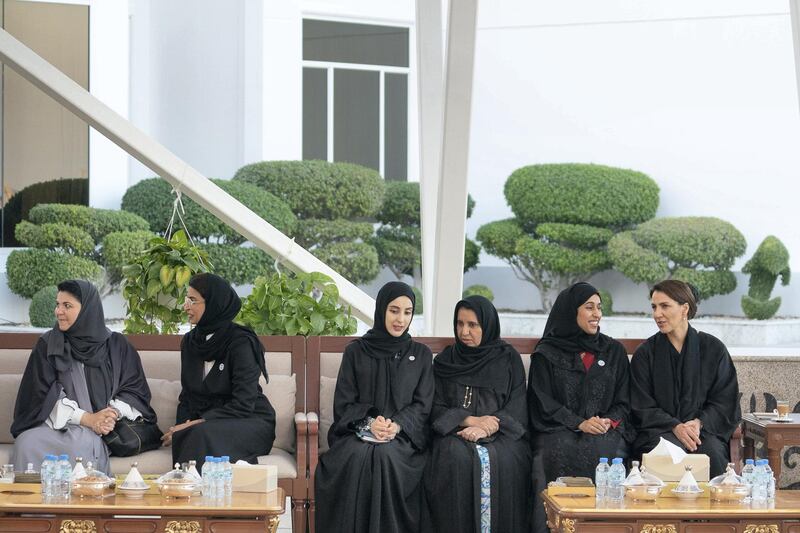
728 486
94 484
178 483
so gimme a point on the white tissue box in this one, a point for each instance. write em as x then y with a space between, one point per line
664 469
254 478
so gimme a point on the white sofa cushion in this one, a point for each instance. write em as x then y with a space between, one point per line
327 387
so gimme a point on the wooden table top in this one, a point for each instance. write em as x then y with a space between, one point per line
27 498
786 505
765 421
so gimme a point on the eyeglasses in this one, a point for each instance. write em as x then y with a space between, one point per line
192 301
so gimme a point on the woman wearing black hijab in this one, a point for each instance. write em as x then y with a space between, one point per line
683 382
370 478
478 476
79 380
221 409
578 392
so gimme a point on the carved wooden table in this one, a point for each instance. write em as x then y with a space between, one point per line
22 509
759 432
670 515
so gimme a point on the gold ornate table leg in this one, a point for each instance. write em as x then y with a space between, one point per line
568 525
182 526
659 528
272 526
77 526
763 528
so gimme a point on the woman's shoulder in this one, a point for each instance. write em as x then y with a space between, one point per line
421 349
710 342
614 347
646 348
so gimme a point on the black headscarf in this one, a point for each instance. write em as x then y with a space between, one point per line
562 330
378 342
479 366
86 341
222 304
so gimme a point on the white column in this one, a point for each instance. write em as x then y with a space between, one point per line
109 81
452 198
794 13
430 88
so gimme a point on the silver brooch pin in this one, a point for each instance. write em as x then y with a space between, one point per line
411 357
601 363
221 366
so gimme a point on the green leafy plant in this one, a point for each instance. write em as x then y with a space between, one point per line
155 284
607 301
296 304
698 250
41 311
565 214
478 290
29 270
770 261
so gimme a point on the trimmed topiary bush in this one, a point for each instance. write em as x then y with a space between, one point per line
314 231
319 189
238 264
698 250
96 222
770 261
478 290
58 237
565 215
607 301
121 248
152 200
357 259
30 270
43 304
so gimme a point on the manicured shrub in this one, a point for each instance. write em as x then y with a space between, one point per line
356 261
59 237
400 204
314 231
565 214
478 290
121 248
770 261
607 301
699 250
30 270
418 303
42 309
152 199
238 264
96 222
319 189
472 254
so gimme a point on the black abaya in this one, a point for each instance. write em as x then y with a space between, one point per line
669 388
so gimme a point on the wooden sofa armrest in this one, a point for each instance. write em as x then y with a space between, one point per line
313 449
301 438
735 446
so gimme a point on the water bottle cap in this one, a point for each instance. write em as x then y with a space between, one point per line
208 458
604 459
761 462
749 461
225 458
63 457
616 460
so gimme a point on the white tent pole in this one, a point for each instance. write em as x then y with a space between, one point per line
178 173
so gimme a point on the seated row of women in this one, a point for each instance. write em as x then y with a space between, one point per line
84 392
464 445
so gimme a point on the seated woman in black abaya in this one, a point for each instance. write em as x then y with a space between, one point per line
683 382
221 409
578 393
81 378
478 476
370 478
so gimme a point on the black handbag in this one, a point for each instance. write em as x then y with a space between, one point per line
132 437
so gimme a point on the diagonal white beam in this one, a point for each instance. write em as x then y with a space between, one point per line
448 276
430 87
794 14
170 167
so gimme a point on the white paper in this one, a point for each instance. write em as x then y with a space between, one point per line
665 447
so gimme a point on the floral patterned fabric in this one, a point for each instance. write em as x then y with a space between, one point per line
486 490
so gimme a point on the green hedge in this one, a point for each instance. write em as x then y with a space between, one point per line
318 189
239 265
770 261
356 261
30 270
42 309
478 290
707 282
152 199
67 191
500 237
120 248
97 222
638 264
535 254
578 235
60 237
400 204
472 254
607 301
572 193
315 232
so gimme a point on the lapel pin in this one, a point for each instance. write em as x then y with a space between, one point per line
601 363
411 357
221 366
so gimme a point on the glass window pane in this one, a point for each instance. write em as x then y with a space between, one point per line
356 118
366 44
395 124
315 113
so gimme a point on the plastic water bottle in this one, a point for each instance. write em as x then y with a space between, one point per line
47 474
64 476
770 477
759 492
219 479
227 469
616 475
748 476
601 481
207 475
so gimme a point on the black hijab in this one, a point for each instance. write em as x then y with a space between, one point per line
478 366
86 341
378 343
562 331
222 304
